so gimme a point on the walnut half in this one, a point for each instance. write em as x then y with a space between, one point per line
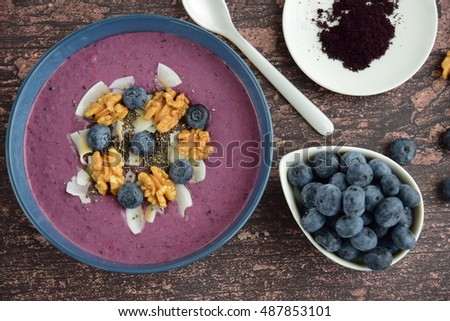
107 109
107 169
157 187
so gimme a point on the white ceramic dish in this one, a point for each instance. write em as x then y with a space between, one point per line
414 38
304 155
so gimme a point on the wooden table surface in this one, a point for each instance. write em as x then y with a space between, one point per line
269 259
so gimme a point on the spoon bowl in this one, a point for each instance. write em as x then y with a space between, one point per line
214 16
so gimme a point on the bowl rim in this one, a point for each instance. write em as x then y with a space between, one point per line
295 209
78 40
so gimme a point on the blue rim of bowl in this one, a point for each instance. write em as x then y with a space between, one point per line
79 40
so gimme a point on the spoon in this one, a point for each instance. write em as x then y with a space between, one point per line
214 16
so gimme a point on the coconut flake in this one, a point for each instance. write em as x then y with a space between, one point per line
183 199
80 141
199 172
130 176
150 214
119 85
117 130
133 160
173 138
85 199
140 124
83 177
167 77
75 189
135 219
91 96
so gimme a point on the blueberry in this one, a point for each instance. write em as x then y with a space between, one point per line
403 238
402 150
389 211
130 195
197 116
373 196
142 144
308 194
181 171
365 240
367 218
134 97
313 220
325 164
331 221
329 240
390 185
347 251
348 226
386 242
300 175
407 218
328 200
99 137
379 168
359 174
379 258
446 189
446 139
380 231
353 201
409 196
339 179
350 158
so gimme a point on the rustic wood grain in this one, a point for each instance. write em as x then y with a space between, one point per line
269 259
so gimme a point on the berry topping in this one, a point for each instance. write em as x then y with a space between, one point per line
130 195
142 144
181 171
99 137
134 97
197 116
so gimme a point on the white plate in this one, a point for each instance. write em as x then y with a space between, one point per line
414 38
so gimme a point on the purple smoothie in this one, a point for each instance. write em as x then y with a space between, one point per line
100 228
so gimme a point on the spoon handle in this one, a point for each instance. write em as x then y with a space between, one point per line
313 115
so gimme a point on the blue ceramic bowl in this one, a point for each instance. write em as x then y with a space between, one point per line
56 56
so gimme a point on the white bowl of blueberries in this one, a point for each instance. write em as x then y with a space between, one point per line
359 208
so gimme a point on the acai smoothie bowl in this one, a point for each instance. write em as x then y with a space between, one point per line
139 144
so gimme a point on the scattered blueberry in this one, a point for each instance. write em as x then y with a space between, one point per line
359 174
446 139
197 116
403 238
181 171
99 137
325 164
348 226
300 175
409 196
329 240
353 201
390 185
328 200
339 179
130 195
350 158
373 196
313 220
389 211
142 144
379 258
402 150
446 189
308 194
379 168
347 251
134 97
365 240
